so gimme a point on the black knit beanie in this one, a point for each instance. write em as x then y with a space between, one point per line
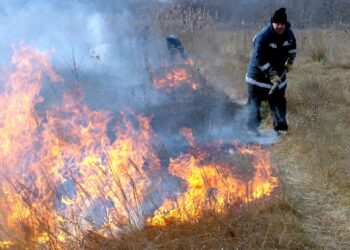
279 16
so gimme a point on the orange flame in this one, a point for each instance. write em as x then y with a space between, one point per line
19 124
177 77
61 168
212 186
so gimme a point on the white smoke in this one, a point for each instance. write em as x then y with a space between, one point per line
93 39
85 26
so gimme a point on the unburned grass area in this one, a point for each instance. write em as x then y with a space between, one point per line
314 155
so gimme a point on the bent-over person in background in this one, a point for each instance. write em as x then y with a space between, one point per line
175 48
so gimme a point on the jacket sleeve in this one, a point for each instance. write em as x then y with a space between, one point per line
293 49
260 53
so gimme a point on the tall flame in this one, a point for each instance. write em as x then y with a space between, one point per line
19 124
61 174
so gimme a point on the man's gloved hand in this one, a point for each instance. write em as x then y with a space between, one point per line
288 65
274 78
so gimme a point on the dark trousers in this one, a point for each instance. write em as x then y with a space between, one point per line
277 103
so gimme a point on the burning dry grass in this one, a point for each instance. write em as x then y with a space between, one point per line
74 179
311 202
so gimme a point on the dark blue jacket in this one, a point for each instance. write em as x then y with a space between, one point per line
270 53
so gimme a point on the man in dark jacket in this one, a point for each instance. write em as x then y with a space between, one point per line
274 51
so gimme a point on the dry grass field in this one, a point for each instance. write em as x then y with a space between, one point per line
310 207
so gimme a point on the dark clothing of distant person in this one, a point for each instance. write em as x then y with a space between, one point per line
175 47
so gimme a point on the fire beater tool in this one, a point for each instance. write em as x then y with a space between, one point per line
275 85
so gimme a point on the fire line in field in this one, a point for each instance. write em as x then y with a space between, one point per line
212 186
176 75
61 174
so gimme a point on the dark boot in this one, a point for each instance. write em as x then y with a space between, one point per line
282 126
